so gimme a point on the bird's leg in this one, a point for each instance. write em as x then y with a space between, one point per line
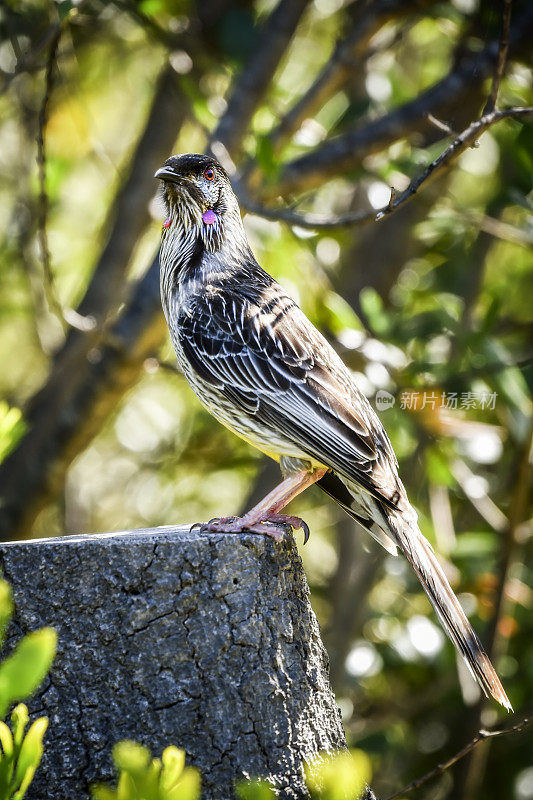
265 517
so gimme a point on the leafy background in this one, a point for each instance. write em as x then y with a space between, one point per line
97 430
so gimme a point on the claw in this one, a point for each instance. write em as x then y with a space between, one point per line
305 528
198 525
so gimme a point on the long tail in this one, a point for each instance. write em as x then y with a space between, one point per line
399 528
420 554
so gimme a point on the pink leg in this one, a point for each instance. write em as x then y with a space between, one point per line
265 516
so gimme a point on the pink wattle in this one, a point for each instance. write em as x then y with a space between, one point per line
167 222
209 216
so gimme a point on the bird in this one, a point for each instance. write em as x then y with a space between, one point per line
260 366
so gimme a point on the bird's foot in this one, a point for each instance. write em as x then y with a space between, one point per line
277 526
219 525
285 522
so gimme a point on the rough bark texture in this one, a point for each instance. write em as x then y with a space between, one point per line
206 641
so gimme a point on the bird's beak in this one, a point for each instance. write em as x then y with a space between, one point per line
167 174
182 185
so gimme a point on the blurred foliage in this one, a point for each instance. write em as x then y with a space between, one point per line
11 428
339 777
141 777
21 753
433 303
255 789
21 673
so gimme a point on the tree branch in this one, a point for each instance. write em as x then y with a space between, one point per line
28 483
129 213
503 50
339 66
256 76
463 141
70 396
345 152
29 61
26 477
481 736
67 315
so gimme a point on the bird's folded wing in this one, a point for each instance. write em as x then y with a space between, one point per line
271 362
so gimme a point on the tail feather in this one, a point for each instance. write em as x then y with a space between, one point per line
399 528
419 553
331 484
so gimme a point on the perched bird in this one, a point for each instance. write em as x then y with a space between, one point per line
261 368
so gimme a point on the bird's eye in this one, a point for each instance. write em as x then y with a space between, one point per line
209 174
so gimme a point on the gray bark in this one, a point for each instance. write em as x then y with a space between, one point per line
205 641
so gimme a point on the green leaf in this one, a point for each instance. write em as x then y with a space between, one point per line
131 757
438 469
144 778
23 671
187 788
7 759
6 740
372 306
6 608
266 157
173 765
31 752
100 792
12 426
151 6
126 788
339 777
255 790
19 720
147 783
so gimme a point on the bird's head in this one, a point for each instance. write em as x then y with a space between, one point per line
198 198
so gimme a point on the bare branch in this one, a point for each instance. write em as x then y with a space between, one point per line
257 75
503 50
462 142
184 39
129 214
339 66
345 152
64 314
66 403
481 736
41 163
65 414
30 61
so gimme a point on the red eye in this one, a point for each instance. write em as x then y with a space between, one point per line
209 174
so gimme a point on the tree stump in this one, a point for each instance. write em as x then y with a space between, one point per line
205 641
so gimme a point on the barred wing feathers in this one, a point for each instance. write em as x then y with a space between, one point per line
268 359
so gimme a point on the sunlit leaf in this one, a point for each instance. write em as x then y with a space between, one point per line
12 426
19 720
6 608
173 765
24 670
30 756
255 790
131 757
339 777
